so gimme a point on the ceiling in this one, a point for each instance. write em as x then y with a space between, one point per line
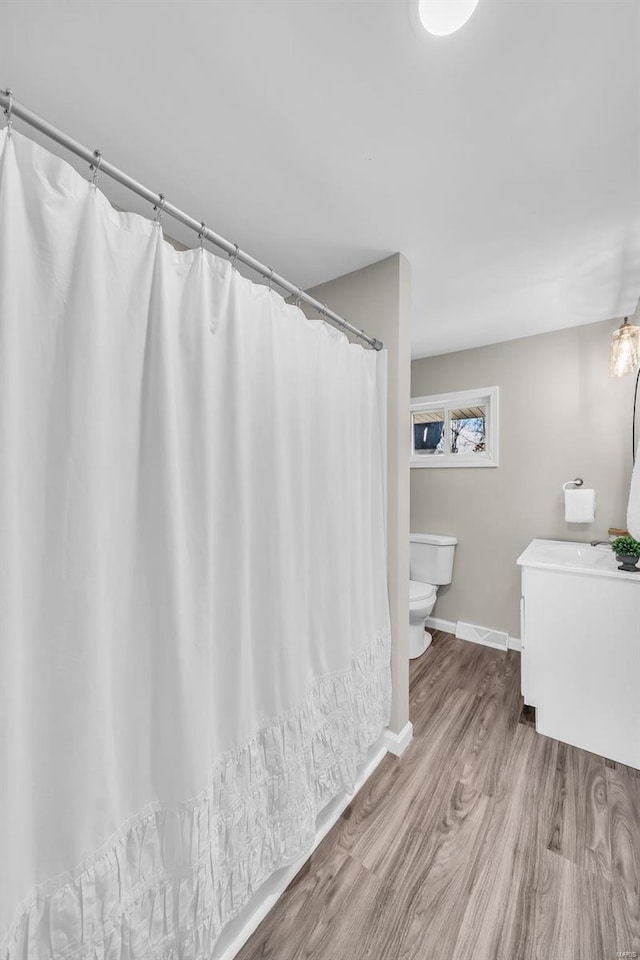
503 160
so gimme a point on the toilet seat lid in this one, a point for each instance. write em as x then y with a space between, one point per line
421 591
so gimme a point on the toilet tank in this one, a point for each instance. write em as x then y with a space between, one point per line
431 558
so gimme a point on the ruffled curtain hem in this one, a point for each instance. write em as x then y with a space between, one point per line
166 884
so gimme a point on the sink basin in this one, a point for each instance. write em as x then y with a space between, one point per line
578 557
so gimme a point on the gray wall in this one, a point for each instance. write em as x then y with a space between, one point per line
561 416
377 298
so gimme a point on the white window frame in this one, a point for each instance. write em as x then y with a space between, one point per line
485 396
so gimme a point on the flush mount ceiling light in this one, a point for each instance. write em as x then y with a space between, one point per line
442 17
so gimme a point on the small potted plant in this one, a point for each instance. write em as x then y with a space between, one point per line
627 551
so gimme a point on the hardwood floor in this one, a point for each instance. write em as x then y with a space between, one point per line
485 841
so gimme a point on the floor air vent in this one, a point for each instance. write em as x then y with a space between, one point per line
490 638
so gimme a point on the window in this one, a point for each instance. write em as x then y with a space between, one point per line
455 429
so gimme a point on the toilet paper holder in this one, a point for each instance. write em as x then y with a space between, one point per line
578 482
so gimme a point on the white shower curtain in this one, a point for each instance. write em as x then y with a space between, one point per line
193 611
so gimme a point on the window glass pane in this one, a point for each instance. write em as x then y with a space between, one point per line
468 426
428 433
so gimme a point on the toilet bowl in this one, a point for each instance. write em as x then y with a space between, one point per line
431 560
422 597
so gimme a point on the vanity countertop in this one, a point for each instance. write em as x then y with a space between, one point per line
597 561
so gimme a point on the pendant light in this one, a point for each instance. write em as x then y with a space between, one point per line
625 357
625 347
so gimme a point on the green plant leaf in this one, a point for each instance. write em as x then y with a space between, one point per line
626 546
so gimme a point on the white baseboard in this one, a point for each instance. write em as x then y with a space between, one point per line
436 624
238 931
397 743
450 626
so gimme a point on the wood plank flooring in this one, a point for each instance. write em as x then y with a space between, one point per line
485 841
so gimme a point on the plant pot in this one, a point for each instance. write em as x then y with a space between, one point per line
628 562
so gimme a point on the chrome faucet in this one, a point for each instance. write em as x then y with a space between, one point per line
596 543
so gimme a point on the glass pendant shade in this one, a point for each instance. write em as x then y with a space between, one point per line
625 349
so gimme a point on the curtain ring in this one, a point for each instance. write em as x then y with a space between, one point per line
159 206
95 166
271 279
234 258
201 235
8 111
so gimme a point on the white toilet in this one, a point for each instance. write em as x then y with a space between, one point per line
431 564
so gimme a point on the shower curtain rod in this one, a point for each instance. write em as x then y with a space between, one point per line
15 109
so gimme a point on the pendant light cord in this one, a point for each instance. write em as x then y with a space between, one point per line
633 424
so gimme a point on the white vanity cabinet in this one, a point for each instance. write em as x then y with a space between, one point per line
581 647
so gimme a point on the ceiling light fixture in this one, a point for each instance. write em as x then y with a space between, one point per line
443 17
625 348
624 357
